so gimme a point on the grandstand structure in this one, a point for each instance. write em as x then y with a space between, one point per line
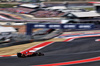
7 0
52 13
19 0
43 0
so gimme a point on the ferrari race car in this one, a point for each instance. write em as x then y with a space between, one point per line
29 54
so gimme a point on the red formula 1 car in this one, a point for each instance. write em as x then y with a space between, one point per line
29 54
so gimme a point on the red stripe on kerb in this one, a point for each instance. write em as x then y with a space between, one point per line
97 40
69 39
73 62
43 44
37 46
7 55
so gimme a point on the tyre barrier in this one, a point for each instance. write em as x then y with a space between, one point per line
15 43
29 41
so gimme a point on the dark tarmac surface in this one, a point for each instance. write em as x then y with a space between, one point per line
77 49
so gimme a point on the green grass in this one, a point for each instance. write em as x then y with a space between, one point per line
89 9
7 5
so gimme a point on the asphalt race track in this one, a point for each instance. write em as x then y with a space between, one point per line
78 49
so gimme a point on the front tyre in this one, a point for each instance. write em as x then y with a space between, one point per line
40 54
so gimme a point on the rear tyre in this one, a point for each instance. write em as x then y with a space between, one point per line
20 55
